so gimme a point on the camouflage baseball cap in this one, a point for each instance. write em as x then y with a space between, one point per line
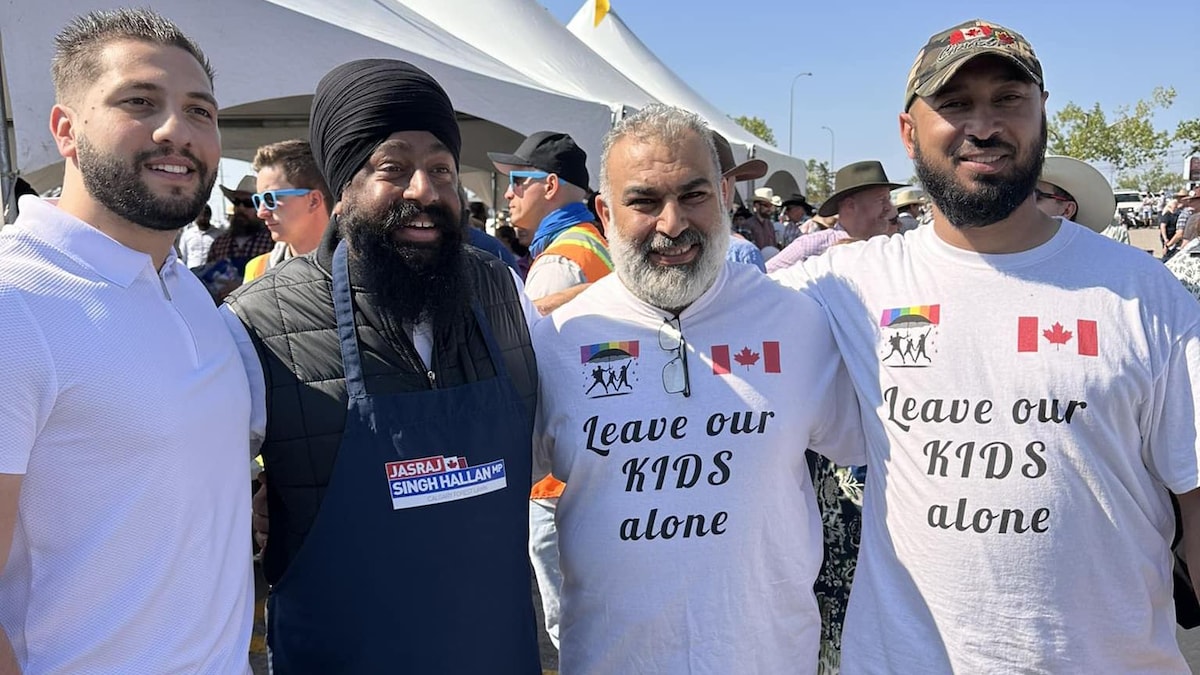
950 49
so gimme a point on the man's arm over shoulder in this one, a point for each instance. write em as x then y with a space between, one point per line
838 432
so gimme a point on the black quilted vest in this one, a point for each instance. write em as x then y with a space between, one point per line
289 314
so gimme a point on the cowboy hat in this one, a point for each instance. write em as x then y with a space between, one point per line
767 196
751 169
907 197
245 188
1093 197
800 200
854 178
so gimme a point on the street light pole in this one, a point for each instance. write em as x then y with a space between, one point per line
792 106
831 147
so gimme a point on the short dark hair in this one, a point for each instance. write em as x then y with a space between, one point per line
295 159
77 47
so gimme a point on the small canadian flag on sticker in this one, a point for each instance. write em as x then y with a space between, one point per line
748 357
1031 333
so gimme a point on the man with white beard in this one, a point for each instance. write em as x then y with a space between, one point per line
684 394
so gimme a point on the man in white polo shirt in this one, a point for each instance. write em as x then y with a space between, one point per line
124 516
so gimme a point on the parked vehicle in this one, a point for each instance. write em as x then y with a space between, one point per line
1130 201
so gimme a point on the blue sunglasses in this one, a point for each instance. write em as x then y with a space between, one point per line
516 178
270 198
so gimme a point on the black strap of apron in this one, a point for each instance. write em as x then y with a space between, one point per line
343 308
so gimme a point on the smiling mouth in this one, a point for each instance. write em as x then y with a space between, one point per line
174 169
675 255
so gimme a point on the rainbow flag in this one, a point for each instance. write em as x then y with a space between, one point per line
623 349
930 314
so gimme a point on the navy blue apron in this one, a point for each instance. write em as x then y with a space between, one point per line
416 562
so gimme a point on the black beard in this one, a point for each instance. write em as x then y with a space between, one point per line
242 224
411 282
995 198
120 188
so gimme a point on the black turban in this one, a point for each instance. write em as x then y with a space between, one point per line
359 104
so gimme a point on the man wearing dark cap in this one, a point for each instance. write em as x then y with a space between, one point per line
394 405
1035 387
548 183
796 212
862 201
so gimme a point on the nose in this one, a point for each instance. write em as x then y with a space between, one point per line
172 129
983 124
509 193
420 188
263 212
671 220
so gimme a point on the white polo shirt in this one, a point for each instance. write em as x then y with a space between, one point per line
124 403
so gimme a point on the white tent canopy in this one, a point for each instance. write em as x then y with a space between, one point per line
613 40
269 56
523 34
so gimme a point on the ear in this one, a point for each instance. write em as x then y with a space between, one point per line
552 186
908 133
727 190
604 211
62 129
1072 209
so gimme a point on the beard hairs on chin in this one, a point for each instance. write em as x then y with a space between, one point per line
410 283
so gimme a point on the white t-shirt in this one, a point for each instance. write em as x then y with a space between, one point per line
124 404
688 531
1030 408
194 244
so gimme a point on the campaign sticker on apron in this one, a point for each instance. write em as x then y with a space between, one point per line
439 479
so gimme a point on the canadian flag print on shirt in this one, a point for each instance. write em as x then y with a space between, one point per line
1031 333
748 357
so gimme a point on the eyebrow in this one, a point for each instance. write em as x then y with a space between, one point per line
154 88
647 191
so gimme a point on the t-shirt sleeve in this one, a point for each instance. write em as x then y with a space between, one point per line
839 431
28 385
551 274
1172 444
254 373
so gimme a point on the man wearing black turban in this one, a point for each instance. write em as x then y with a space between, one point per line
394 384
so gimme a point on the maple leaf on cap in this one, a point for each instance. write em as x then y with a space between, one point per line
1056 335
746 357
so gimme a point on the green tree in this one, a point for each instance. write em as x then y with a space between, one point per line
1155 177
1128 141
1188 132
820 181
756 126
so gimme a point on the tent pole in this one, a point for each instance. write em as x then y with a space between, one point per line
6 168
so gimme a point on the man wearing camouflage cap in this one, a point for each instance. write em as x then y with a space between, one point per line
1034 407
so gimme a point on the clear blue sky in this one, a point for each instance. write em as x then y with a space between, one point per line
743 55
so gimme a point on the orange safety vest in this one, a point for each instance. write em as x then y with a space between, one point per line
256 267
585 246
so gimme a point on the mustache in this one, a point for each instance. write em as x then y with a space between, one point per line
661 242
985 144
404 212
